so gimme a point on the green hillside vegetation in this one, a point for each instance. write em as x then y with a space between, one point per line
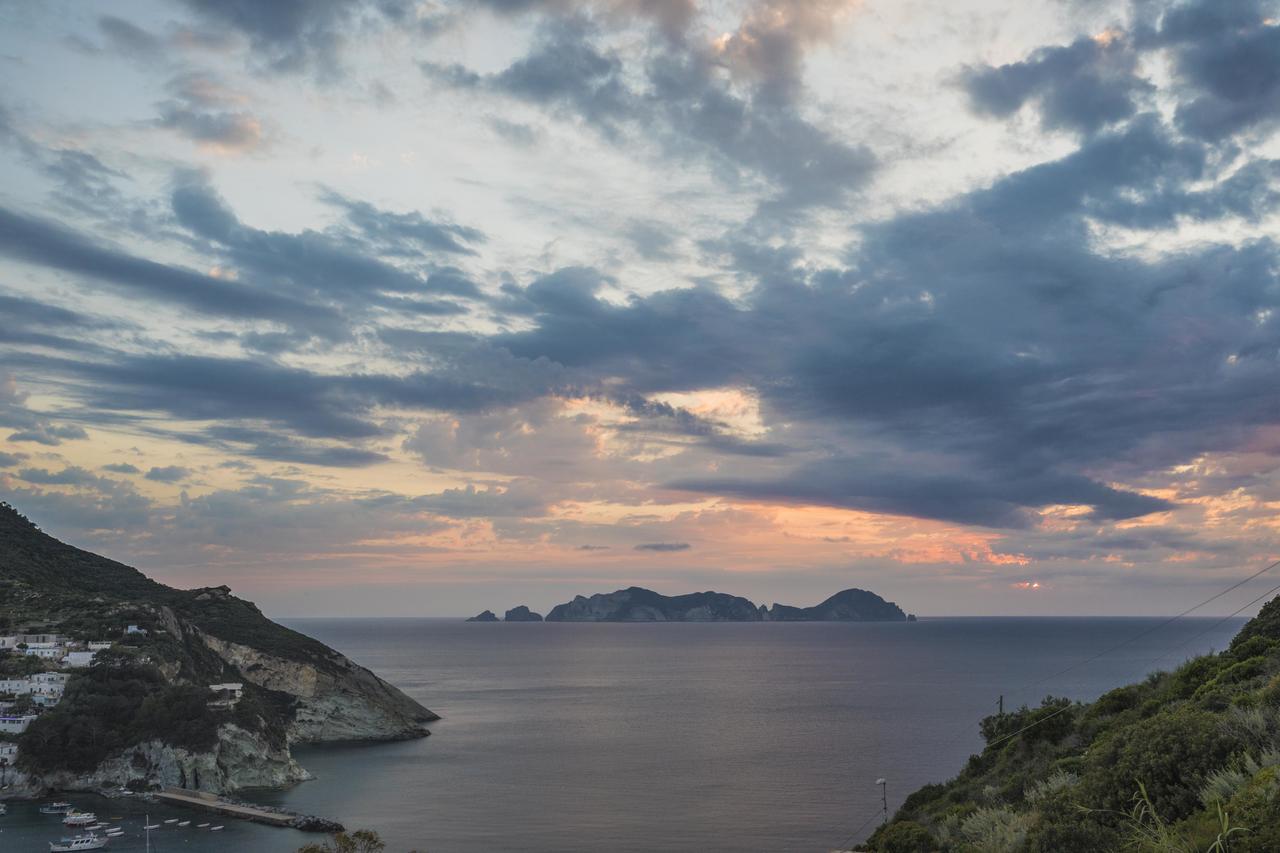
47 583
1185 761
151 686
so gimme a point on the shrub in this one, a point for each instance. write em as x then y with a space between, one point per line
1170 754
995 830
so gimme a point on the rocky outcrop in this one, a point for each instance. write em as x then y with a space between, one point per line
636 604
239 759
486 616
521 614
341 701
850 605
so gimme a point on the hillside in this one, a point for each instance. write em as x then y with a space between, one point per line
143 715
1182 761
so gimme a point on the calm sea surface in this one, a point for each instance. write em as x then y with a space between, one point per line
707 737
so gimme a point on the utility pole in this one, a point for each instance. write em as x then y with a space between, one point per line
884 799
1002 704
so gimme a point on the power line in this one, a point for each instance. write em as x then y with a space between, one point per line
1116 647
1211 628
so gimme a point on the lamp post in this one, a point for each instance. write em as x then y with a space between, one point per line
884 799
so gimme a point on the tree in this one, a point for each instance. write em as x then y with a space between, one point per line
360 841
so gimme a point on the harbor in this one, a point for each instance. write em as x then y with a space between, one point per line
24 829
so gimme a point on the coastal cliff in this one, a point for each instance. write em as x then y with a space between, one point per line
636 604
1187 760
144 715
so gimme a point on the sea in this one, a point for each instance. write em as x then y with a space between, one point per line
664 737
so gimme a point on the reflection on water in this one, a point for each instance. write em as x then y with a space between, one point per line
570 737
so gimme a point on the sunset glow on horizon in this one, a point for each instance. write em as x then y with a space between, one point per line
430 307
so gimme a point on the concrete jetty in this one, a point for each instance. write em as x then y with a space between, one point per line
212 803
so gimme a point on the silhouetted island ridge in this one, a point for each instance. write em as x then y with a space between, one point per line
636 604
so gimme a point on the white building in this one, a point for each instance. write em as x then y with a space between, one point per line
42 639
226 695
49 682
100 645
78 659
10 725
15 686
8 751
9 642
134 629
48 653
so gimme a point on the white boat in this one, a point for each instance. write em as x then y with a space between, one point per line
4 809
201 825
79 842
172 820
80 818
184 823
55 808
151 826
215 829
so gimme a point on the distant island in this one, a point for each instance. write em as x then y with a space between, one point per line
636 604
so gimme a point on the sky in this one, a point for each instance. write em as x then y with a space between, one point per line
418 307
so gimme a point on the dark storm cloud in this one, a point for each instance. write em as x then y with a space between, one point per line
264 444
986 334
1227 56
402 233
168 474
988 498
11 460
49 434
22 311
292 35
122 468
48 244
688 109
663 546
72 476
1083 86
335 264
1226 71
312 404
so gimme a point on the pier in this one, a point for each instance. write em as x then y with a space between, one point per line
213 803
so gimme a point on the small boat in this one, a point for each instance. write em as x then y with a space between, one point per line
80 818
4 809
151 826
55 808
172 820
79 842
215 829
184 823
201 825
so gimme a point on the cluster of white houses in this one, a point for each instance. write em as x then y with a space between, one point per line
44 688
54 647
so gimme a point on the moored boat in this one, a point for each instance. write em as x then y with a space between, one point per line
79 842
55 808
80 818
